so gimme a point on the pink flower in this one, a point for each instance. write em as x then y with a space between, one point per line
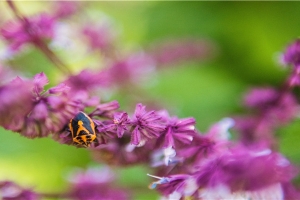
100 36
119 125
12 191
133 69
17 33
184 50
180 131
291 55
95 183
244 169
260 98
63 9
145 125
34 112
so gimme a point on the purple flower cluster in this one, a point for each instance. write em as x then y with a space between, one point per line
12 191
184 50
186 162
274 109
95 183
291 55
35 29
31 30
199 162
141 133
291 58
100 37
212 167
64 9
236 170
34 112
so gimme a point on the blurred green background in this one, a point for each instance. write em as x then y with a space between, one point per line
249 37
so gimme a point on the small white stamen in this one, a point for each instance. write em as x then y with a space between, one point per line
157 177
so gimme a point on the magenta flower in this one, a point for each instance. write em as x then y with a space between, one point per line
184 50
285 111
180 131
86 80
63 9
237 172
244 170
17 33
11 191
291 55
131 70
100 37
175 186
16 103
260 98
38 113
274 108
106 110
119 125
294 79
134 69
59 89
95 184
145 125
213 143
39 82
51 112
200 148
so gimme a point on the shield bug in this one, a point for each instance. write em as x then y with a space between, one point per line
82 128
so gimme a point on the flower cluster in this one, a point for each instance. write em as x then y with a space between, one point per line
95 183
34 112
9 190
217 168
32 30
186 50
186 162
274 108
234 172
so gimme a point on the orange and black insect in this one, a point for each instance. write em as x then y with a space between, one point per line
82 128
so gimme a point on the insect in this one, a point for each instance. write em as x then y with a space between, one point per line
82 128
